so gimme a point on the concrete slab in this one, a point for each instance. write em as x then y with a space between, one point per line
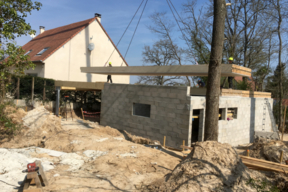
174 70
79 86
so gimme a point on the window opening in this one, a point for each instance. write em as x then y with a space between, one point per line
232 113
141 109
222 112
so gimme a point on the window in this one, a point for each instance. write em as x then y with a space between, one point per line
28 52
222 113
42 51
141 109
232 113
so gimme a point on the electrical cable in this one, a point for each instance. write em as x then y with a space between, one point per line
135 31
179 26
9 184
124 32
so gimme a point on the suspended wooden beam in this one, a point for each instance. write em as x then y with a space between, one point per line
173 70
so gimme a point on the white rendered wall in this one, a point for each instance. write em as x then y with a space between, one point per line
249 118
65 63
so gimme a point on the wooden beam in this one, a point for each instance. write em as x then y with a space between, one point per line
259 164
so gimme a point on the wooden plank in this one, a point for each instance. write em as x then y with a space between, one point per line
26 183
186 147
42 174
34 175
260 164
68 88
261 160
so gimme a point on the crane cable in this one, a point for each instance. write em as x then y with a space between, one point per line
135 31
184 36
124 32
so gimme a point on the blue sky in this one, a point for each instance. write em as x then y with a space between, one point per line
116 14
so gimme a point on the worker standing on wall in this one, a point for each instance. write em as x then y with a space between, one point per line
109 76
230 79
200 84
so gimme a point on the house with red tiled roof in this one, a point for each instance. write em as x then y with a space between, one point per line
59 53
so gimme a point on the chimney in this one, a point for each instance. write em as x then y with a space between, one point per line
42 29
98 16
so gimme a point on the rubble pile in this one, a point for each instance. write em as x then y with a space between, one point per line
269 150
211 166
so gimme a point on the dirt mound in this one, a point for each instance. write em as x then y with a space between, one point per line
39 124
15 114
269 150
211 166
138 139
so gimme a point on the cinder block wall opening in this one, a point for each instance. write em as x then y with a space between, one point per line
140 109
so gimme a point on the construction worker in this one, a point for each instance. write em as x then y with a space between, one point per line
230 79
200 84
109 76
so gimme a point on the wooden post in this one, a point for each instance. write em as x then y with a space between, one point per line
18 88
183 144
26 108
248 152
281 157
283 127
82 114
164 141
32 92
44 91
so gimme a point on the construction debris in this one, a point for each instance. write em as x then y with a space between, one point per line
268 150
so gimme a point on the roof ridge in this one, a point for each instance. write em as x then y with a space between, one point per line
65 26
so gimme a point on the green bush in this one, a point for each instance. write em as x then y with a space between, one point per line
26 87
7 127
262 186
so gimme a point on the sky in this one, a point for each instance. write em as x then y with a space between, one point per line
116 15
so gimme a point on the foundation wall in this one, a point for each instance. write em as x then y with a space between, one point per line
169 112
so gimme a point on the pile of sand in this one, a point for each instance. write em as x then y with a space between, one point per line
211 166
269 150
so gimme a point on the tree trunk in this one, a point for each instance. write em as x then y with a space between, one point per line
214 72
18 88
44 91
280 63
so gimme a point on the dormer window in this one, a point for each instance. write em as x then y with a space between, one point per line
42 51
28 52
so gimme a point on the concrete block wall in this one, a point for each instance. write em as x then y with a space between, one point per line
250 115
169 115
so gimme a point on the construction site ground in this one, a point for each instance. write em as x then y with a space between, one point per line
83 156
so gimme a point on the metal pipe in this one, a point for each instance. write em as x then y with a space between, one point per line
57 100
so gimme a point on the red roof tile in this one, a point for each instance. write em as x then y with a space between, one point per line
55 38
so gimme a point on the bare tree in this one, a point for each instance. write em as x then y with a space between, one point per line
214 72
161 54
164 27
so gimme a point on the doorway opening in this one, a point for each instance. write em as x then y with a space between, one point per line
195 125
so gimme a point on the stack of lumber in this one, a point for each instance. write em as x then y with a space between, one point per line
262 165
